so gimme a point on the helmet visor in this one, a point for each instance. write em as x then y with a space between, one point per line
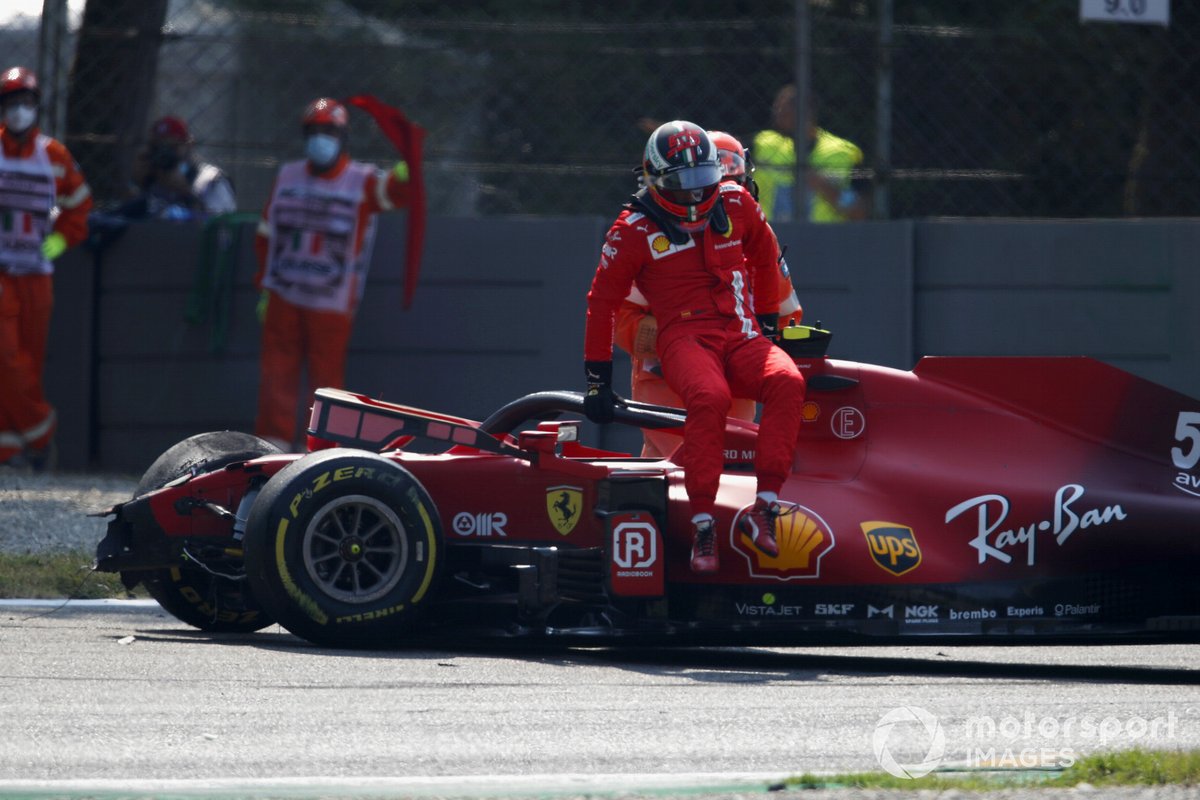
688 197
697 177
732 164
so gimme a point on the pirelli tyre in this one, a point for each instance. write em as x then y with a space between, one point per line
343 548
221 602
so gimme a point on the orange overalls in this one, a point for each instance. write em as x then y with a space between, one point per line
42 191
314 246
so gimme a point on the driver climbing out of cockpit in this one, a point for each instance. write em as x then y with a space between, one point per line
694 247
637 328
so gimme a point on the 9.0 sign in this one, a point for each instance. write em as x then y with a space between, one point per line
1146 12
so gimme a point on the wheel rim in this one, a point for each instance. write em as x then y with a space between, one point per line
356 549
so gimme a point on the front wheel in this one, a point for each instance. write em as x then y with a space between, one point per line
211 600
343 549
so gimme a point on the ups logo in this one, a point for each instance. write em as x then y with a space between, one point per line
894 547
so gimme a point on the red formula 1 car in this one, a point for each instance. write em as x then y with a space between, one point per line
977 499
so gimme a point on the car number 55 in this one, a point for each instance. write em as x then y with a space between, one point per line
1187 429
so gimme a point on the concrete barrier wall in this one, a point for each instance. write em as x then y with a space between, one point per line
140 358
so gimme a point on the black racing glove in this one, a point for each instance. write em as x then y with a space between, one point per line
769 325
599 403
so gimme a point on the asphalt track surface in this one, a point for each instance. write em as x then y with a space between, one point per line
120 699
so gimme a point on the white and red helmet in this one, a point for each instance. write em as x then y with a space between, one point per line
19 79
326 111
682 173
730 154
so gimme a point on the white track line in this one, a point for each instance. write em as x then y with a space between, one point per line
111 604
431 786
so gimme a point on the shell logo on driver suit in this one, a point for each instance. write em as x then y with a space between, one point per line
661 247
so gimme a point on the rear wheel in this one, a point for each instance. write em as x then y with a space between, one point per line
214 599
343 548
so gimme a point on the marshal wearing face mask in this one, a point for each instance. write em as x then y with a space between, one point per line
314 246
44 204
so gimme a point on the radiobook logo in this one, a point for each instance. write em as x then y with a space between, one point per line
915 728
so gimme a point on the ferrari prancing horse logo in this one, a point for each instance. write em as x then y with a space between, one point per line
563 504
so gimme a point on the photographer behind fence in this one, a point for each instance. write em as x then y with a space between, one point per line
169 182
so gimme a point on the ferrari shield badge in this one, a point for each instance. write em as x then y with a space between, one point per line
563 504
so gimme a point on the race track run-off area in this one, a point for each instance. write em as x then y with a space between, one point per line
120 696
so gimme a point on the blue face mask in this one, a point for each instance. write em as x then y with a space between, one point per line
19 118
322 149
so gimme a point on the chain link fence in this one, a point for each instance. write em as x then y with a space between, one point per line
1014 108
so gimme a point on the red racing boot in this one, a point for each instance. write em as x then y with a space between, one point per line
704 547
759 524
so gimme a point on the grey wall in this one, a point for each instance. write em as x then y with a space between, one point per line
499 312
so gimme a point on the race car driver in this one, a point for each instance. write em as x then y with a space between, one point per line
694 247
314 246
637 328
44 205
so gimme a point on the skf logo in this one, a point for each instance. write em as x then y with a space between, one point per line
833 609
661 247
562 505
894 547
803 538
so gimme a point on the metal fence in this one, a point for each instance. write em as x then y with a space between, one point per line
1014 108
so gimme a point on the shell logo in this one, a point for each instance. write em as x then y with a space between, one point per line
803 537
660 244
810 411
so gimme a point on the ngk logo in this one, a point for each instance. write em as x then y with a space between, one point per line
634 545
920 613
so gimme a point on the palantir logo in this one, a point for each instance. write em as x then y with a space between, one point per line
912 726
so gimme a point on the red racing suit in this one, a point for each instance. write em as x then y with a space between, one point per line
42 192
636 333
314 246
709 341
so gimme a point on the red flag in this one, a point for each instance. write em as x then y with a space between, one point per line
407 137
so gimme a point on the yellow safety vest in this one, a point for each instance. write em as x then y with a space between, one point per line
775 162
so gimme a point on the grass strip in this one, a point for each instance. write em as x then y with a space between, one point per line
1134 768
57 575
1124 768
